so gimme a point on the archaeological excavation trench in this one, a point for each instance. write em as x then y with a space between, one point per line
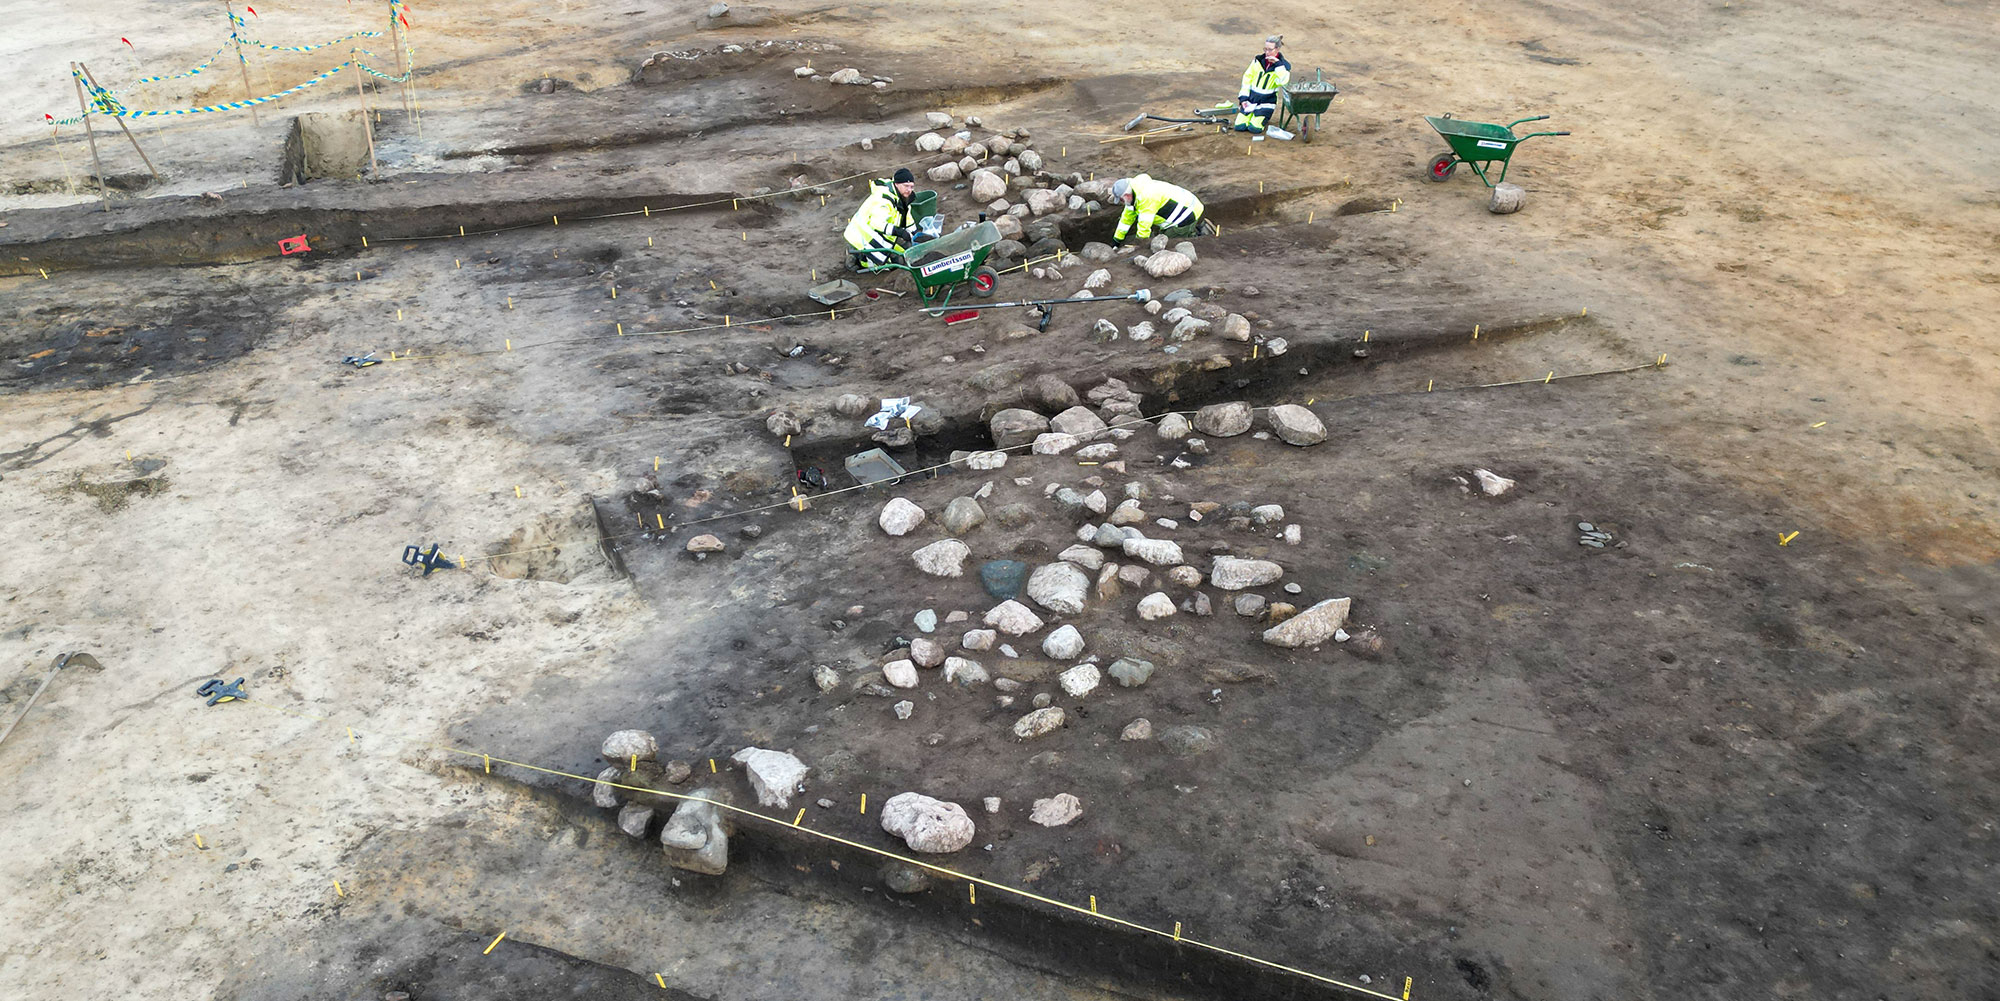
1403 600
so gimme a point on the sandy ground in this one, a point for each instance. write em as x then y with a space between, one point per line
1706 766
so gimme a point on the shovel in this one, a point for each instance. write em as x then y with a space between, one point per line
1142 296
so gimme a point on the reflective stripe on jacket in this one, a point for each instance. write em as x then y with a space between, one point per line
1261 84
875 222
1148 196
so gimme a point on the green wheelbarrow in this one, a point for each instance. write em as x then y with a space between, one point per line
1477 144
940 266
1300 104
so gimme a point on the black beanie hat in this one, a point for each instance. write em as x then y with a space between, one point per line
903 176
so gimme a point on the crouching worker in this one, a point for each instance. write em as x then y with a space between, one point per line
1257 98
881 227
1148 202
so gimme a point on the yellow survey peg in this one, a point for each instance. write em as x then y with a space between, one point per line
1786 539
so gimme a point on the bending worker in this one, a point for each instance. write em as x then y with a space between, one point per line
881 227
1258 97
1175 209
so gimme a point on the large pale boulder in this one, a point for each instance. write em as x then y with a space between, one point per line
1059 587
1233 574
1295 425
927 825
1056 811
1064 643
1039 723
774 775
623 745
1223 420
899 516
944 558
1013 618
1158 552
696 837
987 185
1042 201
1015 426
1079 421
1167 263
1313 626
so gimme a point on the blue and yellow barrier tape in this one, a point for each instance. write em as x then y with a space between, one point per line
105 102
176 76
237 24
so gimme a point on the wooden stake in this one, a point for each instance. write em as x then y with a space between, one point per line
103 189
367 128
241 63
123 127
402 50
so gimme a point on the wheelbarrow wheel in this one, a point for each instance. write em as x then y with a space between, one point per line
1305 129
1442 167
983 282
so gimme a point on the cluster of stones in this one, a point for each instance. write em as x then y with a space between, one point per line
1121 547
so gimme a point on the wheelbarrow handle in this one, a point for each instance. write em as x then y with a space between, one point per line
1524 121
1532 135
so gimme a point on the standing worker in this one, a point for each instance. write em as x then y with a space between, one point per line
1147 201
1258 97
881 227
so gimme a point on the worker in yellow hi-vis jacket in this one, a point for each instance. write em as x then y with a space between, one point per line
1257 99
882 226
1149 202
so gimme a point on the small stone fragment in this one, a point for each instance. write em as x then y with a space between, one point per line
1155 606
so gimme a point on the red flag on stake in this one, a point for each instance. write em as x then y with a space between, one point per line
128 43
252 10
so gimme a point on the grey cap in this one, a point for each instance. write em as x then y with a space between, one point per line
1121 187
